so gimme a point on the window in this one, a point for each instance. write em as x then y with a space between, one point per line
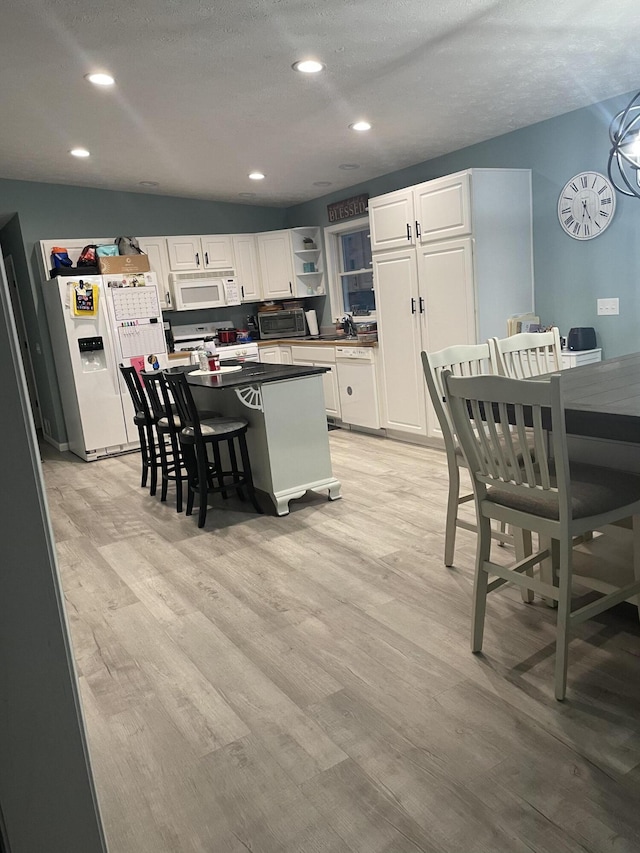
350 266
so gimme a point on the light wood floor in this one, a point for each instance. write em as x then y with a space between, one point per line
304 684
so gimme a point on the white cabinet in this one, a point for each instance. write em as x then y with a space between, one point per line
276 264
456 290
576 358
217 251
156 249
322 357
195 252
245 251
291 263
270 354
434 210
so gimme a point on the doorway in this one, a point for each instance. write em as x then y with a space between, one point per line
25 352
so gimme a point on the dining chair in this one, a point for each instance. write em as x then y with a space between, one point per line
463 360
558 499
144 420
527 354
196 435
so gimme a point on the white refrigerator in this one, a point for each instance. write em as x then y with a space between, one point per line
97 323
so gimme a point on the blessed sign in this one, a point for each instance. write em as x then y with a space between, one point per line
356 206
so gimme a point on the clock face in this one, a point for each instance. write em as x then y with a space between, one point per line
586 205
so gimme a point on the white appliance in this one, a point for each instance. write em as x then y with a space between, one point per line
194 290
190 338
126 328
357 386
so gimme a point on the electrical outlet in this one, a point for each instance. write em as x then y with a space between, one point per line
47 426
608 306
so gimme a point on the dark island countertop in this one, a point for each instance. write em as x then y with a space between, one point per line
252 373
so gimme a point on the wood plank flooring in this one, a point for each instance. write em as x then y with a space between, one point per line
304 684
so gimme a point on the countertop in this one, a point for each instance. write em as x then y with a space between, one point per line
252 373
336 342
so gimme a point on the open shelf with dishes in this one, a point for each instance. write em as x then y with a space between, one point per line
308 261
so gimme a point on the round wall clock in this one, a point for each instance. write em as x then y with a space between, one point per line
586 205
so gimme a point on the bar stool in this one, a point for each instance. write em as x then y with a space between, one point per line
144 419
196 435
167 425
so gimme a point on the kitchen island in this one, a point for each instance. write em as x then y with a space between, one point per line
288 438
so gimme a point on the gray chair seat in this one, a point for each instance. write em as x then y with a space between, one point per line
594 491
163 423
218 427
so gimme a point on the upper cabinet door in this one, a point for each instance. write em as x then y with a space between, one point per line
185 253
217 252
443 207
156 249
245 249
276 264
392 220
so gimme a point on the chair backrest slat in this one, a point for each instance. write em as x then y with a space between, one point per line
183 399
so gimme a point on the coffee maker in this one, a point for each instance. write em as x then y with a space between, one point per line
252 327
168 335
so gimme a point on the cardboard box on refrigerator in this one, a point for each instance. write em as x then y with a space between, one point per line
123 264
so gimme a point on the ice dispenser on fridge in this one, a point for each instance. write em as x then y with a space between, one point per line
92 355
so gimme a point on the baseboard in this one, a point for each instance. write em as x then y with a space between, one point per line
61 447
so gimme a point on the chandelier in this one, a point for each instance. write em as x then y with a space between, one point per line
623 167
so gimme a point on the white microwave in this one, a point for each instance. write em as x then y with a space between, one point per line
193 290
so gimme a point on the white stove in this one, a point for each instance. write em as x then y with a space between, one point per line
190 338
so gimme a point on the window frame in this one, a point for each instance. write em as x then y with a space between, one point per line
332 235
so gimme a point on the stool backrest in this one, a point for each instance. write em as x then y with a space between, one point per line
464 360
528 354
491 415
158 393
136 391
183 400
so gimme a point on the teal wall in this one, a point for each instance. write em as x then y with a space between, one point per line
49 211
569 274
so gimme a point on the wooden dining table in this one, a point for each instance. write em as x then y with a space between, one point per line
602 400
602 412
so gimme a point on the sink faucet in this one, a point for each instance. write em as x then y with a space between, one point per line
349 326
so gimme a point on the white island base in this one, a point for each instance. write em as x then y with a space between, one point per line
288 439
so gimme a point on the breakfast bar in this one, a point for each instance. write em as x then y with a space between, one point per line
287 438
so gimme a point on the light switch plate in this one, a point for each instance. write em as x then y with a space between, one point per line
608 306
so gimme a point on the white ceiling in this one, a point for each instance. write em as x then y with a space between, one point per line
205 91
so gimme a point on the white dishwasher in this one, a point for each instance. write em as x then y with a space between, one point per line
357 387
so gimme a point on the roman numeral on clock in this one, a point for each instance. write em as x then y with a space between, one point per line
583 181
574 186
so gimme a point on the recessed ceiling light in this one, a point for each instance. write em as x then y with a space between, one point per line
322 183
246 195
100 79
360 125
349 166
79 152
308 66
256 176
149 184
